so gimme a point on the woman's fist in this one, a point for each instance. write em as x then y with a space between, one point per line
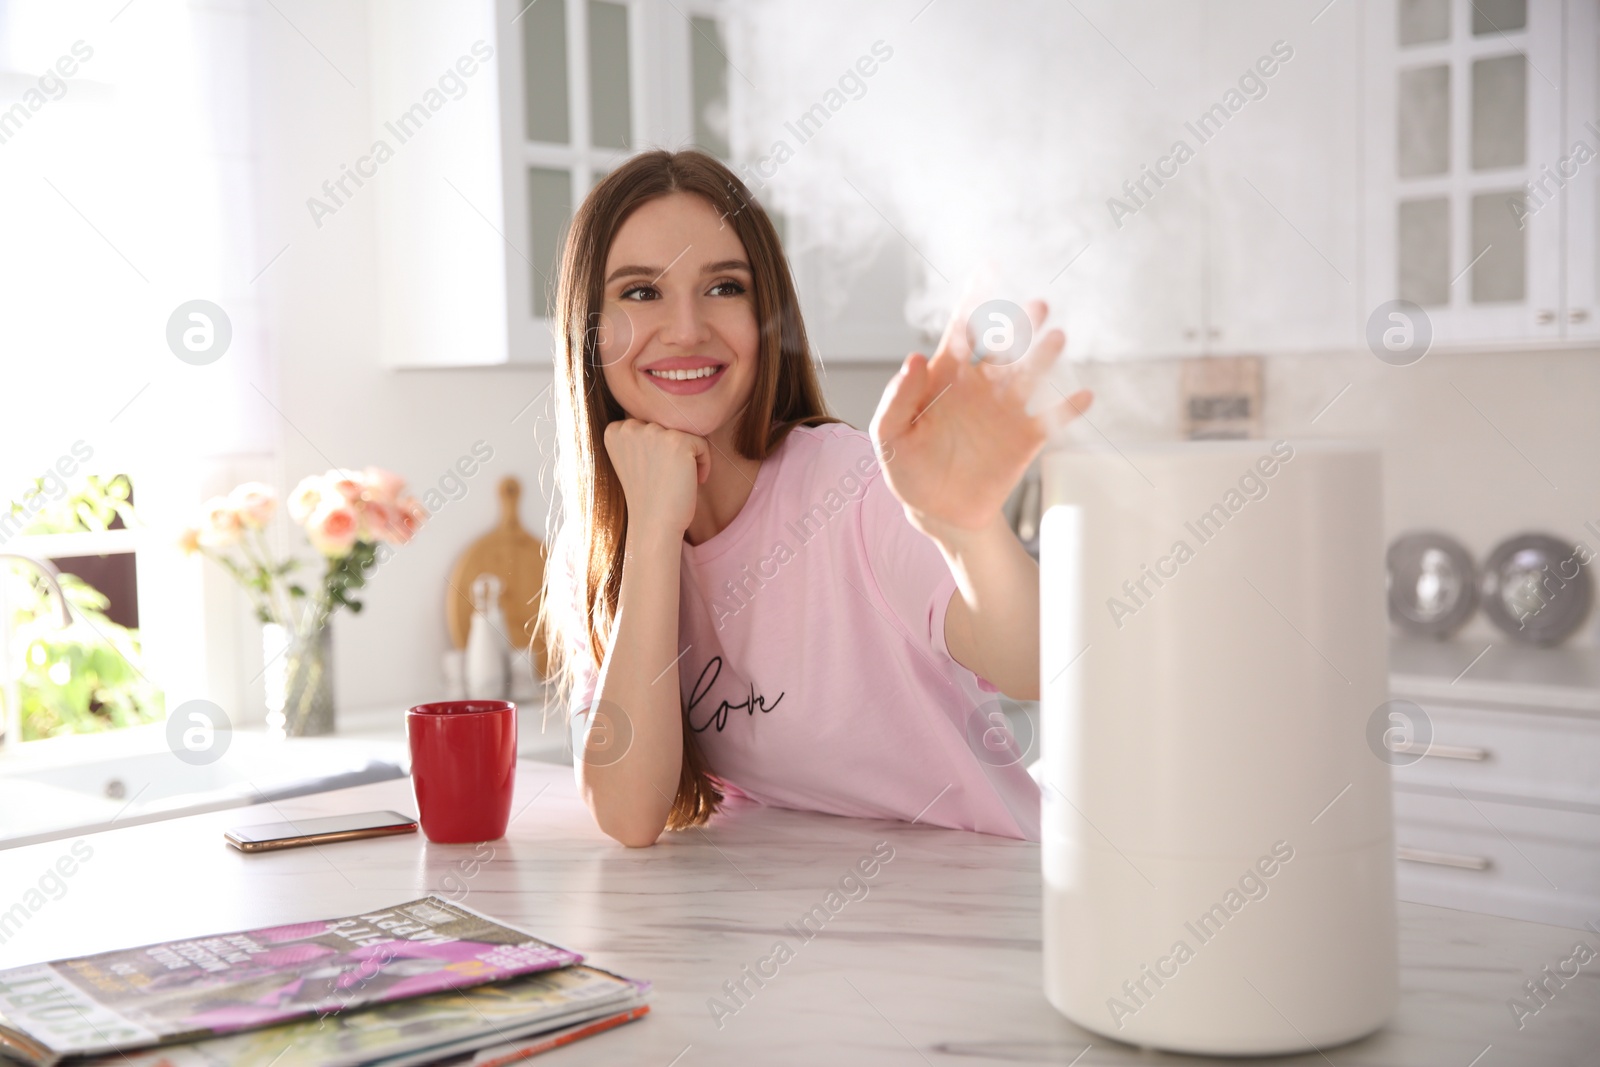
659 470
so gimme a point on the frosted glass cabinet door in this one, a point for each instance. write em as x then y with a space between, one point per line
546 105
610 77
1464 106
549 212
708 86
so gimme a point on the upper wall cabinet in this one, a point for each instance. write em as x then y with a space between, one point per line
1572 178
1482 197
854 311
1284 212
1245 234
505 114
1340 156
1151 264
441 203
1442 152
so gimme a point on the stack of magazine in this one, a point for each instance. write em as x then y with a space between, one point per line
425 982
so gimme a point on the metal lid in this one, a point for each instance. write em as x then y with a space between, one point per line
1536 588
1432 584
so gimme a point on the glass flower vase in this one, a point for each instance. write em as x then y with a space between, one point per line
299 680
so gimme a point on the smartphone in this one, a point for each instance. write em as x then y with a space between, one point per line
275 835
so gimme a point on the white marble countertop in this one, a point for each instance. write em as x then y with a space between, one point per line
939 962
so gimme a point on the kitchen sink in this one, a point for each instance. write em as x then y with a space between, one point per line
46 799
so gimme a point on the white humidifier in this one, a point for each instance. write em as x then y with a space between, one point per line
1217 843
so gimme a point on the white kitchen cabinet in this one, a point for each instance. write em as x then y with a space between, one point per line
1147 236
1500 812
1252 245
1465 108
855 311
1446 152
1577 170
443 292
1475 853
1284 259
472 220
1390 157
473 205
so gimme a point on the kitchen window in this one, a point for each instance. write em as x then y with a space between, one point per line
94 261
89 675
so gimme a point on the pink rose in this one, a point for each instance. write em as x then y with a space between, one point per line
377 521
333 530
409 515
255 504
382 486
220 525
347 484
341 507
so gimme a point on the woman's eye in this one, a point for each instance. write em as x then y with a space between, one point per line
727 288
638 292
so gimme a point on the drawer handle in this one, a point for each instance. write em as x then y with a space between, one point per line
1444 751
1443 859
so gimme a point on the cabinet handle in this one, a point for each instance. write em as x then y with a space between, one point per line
1445 751
1580 315
1443 859
1213 333
1190 334
1544 318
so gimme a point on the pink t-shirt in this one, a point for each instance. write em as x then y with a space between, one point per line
814 664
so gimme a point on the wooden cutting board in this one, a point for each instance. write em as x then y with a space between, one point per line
517 558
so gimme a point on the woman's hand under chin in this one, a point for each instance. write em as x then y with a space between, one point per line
660 470
954 437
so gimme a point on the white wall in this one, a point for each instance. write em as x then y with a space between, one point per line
1446 465
341 407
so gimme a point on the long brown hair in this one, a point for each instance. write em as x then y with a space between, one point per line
593 523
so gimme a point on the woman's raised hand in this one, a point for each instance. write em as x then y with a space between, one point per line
954 436
659 470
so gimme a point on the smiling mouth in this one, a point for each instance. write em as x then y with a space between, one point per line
684 375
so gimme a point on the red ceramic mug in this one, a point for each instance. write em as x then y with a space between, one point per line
463 766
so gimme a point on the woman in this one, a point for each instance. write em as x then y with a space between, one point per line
748 596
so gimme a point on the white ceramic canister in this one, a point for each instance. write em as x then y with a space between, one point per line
1217 840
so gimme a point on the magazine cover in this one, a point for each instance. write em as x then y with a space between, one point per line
182 990
419 1030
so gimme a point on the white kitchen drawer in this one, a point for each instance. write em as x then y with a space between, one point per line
1519 861
1538 755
